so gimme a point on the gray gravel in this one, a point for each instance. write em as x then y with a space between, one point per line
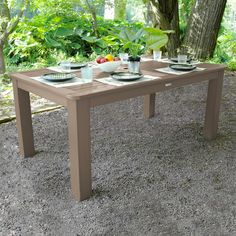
150 177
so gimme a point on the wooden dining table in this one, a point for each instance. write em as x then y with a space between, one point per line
78 99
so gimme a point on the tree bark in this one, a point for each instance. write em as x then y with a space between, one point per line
203 27
4 13
2 61
166 15
7 27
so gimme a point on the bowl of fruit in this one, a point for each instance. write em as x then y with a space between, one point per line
108 63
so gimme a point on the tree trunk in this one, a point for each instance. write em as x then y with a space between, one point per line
8 25
2 61
148 14
120 9
166 13
203 27
93 13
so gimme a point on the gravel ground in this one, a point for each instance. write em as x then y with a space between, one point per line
150 177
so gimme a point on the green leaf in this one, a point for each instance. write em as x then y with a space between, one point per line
139 34
90 39
52 42
124 35
63 32
157 41
156 38
101 43
75 45
79 32
153 31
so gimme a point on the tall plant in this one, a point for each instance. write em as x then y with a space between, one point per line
132 41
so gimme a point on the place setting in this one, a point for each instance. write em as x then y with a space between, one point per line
181 64
180 59
64 74
65 77
68 66
119 76
125 78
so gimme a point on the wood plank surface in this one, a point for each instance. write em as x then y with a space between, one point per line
97 88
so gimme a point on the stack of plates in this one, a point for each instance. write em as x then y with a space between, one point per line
175 59
182 67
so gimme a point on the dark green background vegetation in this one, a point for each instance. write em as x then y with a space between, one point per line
57 30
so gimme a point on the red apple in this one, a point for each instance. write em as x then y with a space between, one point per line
102 60
98 60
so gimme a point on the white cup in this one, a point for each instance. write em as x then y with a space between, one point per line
87 74
65 66
124 58
157 55
182 59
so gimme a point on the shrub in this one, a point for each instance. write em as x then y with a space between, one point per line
44 37
225 51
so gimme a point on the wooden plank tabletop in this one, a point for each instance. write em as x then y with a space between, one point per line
97 88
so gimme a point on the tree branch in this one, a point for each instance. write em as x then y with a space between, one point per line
12 25
7 10
93 13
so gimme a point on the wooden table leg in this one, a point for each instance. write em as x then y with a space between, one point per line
79 148
149 105
213 106
23 121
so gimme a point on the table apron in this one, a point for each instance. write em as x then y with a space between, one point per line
149 89
58 98
121 93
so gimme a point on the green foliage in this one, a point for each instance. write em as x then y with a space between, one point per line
156 38
131 35
62 30
5 93
185 7
225 51
132 40
45 36
232 64
135 41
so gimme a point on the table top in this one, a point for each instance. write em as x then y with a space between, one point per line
96 88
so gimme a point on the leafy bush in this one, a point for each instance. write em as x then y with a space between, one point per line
45 37
225 51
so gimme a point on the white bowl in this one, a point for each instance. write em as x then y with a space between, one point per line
109 66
